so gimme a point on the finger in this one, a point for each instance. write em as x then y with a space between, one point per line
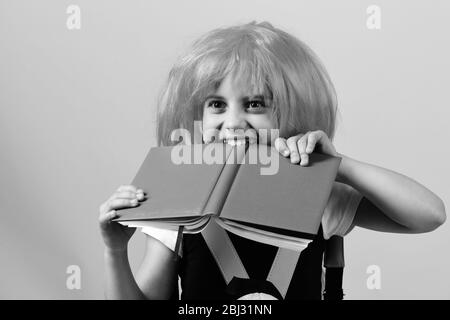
107 217
140 196
301 144
119 204
293 149
125 195
313 138
127 188
281 147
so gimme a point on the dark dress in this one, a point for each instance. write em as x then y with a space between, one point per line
201 278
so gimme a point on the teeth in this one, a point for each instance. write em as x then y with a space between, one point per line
239 142
236 142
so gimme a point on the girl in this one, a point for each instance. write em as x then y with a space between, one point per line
243 79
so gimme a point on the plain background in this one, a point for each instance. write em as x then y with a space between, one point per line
77 117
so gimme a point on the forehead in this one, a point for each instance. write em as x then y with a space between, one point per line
235 85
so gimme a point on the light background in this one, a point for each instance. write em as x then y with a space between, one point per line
77 116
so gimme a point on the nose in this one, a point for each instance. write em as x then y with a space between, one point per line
235 120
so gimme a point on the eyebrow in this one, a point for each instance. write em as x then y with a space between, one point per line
218 97
214 96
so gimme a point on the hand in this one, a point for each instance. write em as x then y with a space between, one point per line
115 235
300 146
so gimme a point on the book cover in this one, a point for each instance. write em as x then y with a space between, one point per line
252 191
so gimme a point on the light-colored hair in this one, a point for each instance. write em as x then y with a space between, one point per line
264 58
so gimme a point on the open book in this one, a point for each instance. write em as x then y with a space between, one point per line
250 190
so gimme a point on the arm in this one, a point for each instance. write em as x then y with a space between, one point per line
391 201
155 279
157 276
119 280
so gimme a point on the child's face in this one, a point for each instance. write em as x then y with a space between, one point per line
233 112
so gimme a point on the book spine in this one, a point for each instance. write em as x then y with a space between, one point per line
220 191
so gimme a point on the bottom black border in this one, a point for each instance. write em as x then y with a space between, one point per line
220 310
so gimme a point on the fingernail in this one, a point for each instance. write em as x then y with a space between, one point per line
285 152
134 201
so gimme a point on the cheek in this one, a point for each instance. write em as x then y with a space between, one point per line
209 127
268 135
261 121
211 120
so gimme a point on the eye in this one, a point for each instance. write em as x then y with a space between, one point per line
255 106
216 105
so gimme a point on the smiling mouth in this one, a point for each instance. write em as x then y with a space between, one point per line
238 141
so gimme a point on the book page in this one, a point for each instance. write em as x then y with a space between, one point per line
273 239
188 227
